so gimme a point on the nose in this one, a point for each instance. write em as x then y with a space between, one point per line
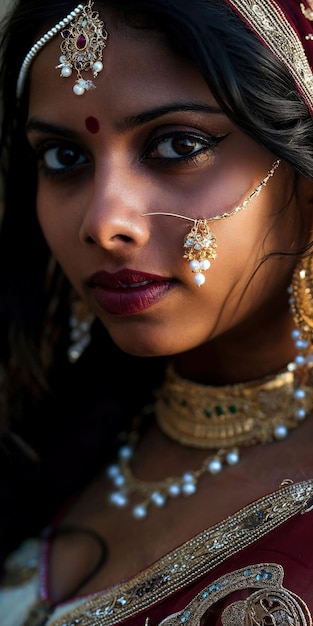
112 211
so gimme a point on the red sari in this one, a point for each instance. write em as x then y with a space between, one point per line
254 568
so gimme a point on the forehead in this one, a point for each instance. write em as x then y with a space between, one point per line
136 61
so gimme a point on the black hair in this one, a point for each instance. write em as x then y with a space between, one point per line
257 93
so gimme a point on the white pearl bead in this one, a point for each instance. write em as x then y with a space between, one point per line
66 71
188 477
62 58
139 511
295 333
281 431
301 414
194 265
97 67
112 471
78 90
158 499
232 457
199 279
299 394
119 480
174 490
119 499
205 264
125 452
73 353
189 489
302 344
300 360
215 466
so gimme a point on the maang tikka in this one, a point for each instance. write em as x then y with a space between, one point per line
200 242
83 40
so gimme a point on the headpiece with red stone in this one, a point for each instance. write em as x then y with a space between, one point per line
83 41
284 26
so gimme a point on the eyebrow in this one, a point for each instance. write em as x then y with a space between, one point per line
40 126
132 121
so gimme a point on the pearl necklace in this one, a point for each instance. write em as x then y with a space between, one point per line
158 492
290 389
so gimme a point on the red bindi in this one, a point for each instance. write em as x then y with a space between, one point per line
92 124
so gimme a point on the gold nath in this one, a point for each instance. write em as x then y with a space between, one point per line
200 243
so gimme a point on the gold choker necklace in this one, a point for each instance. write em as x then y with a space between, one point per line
219 419
244 414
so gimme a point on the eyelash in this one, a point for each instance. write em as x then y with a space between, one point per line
208 144
41 153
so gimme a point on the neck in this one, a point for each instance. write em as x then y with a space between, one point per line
241 355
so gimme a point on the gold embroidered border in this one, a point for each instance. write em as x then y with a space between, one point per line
271 600
193 559
269 22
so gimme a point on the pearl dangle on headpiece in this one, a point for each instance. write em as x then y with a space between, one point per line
200 243
83 40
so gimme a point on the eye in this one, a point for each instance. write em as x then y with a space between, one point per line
60 158
181 146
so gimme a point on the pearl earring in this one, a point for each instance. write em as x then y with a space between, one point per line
80 324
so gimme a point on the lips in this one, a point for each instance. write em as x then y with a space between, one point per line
128 292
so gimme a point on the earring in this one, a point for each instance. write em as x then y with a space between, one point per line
301 300
200 242
80 323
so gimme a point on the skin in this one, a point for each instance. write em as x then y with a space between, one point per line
92 220
233 328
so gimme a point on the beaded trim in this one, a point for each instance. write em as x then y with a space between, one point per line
269 22
193 559
39 44
270 600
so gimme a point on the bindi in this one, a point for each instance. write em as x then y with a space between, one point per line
92 124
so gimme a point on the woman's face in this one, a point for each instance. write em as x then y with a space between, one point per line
151 138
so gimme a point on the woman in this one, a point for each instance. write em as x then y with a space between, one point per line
164 248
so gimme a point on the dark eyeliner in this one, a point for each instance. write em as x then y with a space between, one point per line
209 144
63 171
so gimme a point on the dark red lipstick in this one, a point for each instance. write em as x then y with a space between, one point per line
128 291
